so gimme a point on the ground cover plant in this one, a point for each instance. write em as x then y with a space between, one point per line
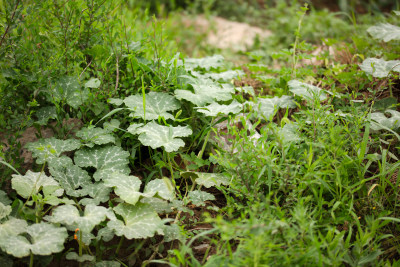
118 150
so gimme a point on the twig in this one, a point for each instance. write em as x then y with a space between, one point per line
8 25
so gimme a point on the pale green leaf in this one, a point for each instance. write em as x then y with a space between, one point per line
206 91
106 160
206 63
157 104
133 128
199 198
306 91
12 227
173 232
68 89
73 256
267 107
289 133
33 182
107 264
49 150
71 178
98 192
93 83
246 89
380 68
95 136
4 198
211 179
385 32
155 136
126 187
46 113
69 215
161 187
216 109
111 125
222 76
392 122
44 239
140 221
106 234
4 211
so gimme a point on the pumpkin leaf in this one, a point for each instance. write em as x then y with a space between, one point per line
98 191
207 179
380 68
385 32
205 91
306 91
69 215
4 198
68 89
268 107
71 177
157 105
33 182
46 113
207 63
161 187
73 256
215 109
106 160
93 83
45 239
126 187
155 136
199 198
392 122
12 227
4 211
95 136
49 150
140 221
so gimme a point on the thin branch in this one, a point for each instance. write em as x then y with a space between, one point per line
8 25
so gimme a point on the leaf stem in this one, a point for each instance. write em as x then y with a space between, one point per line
121 240
31 260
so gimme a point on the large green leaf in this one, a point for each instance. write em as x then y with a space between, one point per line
68 89
380 68
215 109
207 179
95 136
71 177
126 187
33 182
44 239
4 198
267 107
75 257
93 83
225 76
199 198
385 32
46 113
289 133
157 105
140 221
69 215
161 187
155 136
4 211
12 227
98 192
206 63
50 149
106 160
306 91
206 91
392 123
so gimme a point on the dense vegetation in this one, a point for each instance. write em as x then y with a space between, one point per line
126 140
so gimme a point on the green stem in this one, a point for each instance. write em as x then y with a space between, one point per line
200 155
31 260
121 240
80 246
171 169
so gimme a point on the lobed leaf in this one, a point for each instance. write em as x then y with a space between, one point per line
95 136
33 182
106 160
306 91
206 63
157 104
385 32
71 177
155 136
140 221
380 68
199 198
216 109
